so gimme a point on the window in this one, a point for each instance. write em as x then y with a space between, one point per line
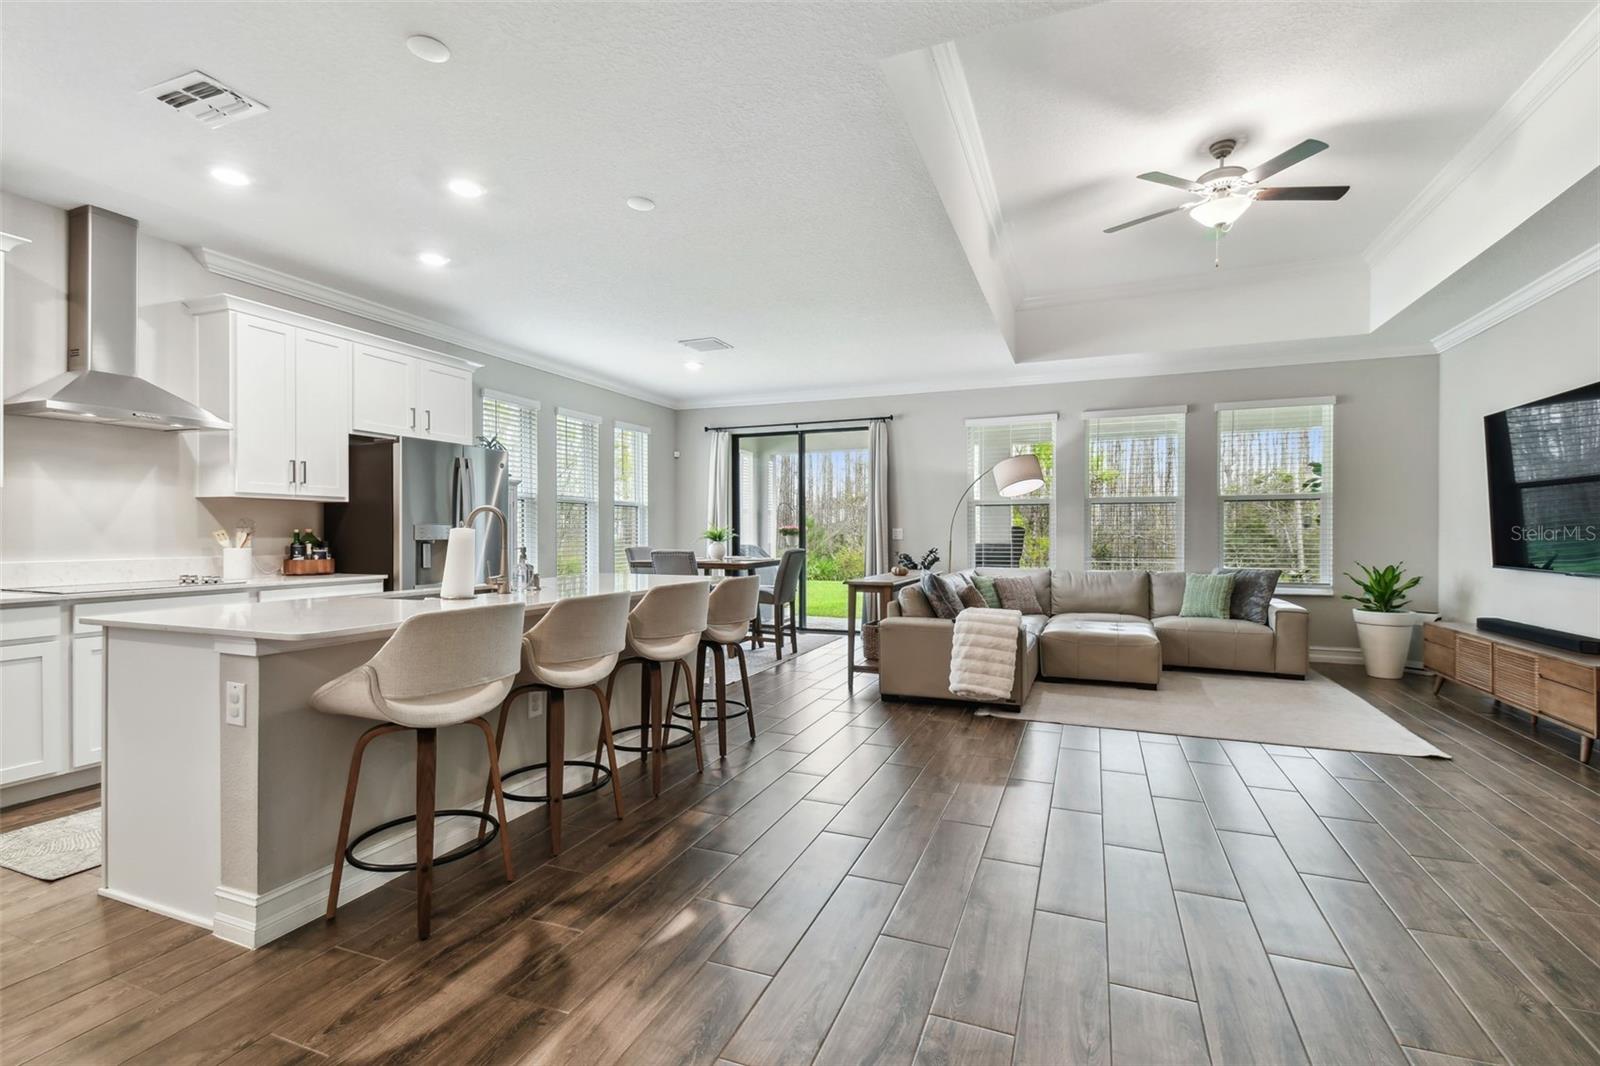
577 493
1001 531
514 423
1275 480
630 488
1134 483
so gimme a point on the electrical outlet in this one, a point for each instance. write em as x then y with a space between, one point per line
897 534
233 703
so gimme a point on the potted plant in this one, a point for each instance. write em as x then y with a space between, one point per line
790 534
717 542
1383 624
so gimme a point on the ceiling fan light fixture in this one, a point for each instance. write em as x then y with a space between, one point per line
1221 212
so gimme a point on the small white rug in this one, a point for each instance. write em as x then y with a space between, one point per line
55 849
1314 713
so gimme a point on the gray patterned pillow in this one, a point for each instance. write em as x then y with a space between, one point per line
1252 591
941 597
1017 594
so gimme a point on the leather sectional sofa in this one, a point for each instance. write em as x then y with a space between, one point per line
1096 625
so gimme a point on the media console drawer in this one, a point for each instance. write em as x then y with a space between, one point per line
1570 674
1573 706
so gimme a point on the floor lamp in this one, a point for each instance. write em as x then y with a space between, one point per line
1016 476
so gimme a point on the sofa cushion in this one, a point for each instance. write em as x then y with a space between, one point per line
1216 643
966 591
1038 577
1033 624
1101 647
1017 594
1206 595
1100 591
1252 591
985 586
913 604
1166 592
941 595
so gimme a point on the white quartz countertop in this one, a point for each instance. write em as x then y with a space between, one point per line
345 617
14 598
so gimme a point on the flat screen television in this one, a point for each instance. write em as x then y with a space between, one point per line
1544 484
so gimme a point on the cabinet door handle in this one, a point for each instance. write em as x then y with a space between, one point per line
302 471
429 415
291 471
413 418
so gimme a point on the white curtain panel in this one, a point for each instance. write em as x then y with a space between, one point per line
879 558
719 498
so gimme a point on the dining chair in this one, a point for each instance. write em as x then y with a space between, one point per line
785 591
639 559
673 562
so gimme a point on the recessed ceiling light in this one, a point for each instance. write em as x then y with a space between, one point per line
230 176
641 203
430 49
432 259
466 188
694 365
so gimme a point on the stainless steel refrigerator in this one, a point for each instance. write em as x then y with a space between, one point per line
405 497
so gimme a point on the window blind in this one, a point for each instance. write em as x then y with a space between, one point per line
1016 531
630 508
515 424
577 493
1133 480
1275 481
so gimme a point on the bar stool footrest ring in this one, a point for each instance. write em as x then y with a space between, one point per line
448 857
687 738
601 781
743 710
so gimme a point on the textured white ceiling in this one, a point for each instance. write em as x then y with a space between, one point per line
795 217
1072 106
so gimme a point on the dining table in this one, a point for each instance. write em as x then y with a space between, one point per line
733 565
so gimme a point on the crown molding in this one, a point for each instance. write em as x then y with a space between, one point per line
1573 270
1064 371
1569 56
1211 279
952 79
229 266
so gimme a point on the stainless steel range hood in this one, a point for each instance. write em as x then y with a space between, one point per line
101 383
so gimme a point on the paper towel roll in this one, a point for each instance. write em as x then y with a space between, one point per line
459 556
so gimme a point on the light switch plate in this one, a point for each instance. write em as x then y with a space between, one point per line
233 694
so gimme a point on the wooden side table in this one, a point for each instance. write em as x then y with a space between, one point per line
883 586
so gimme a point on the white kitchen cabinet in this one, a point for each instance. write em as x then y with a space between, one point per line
405 396
285 388
88 696
33 710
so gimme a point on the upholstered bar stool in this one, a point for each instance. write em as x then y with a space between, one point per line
575 646
440 669
665 627
733 604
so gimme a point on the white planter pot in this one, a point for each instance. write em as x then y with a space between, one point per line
717 549
1385 640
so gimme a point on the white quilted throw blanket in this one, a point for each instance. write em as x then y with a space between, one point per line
983 653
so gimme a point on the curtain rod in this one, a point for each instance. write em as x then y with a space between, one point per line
797 425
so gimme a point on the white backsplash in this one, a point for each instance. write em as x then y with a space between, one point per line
36 573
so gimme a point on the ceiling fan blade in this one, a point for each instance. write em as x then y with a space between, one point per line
1147 218
1167 179
1302 192
1304 150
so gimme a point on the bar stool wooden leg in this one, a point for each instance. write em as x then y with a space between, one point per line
744 679
719 662
654 704
647 737
427 762
349 805
490 786
609 745
555 754
694 709
499 796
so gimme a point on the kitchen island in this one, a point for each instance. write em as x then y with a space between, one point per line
229 822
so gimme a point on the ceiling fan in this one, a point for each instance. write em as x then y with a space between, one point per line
1226 192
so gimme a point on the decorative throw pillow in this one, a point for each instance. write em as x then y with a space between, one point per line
985 587
1252 591
966 591
1206 596
913 604
941 597
1017 594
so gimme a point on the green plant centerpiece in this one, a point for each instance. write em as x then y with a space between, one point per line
1383 619
717 541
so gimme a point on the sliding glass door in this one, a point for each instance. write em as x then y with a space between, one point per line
805 490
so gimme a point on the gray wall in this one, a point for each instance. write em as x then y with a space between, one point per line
1385 460
1551 347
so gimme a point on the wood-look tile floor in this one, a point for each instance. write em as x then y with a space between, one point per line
875 882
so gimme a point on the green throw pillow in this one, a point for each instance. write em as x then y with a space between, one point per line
985 587
1206 595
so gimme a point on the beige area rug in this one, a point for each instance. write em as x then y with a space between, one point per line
55 849
1314 713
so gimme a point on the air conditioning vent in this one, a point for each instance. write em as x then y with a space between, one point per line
706 344
206 100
